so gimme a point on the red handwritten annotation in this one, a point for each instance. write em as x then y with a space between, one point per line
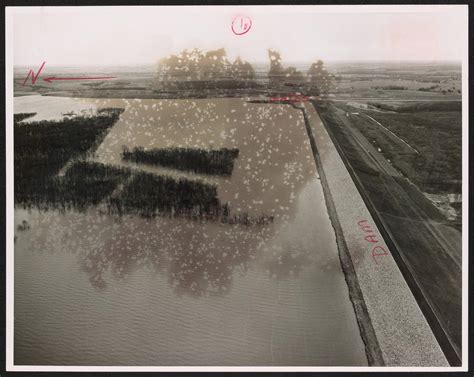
34 76
241 25
290 98
377 250
50 79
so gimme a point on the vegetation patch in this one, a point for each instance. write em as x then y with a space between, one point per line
391 87
216 162
420 106
429 88
151 195
88 183
85 184
43 148
437 136
21 116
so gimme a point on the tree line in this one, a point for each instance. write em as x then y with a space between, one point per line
150 195
215 161
197 69
317 79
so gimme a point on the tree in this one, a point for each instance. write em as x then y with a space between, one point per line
211 67
242 70
215 64
293 77
320 80
283 76
276 69
185 66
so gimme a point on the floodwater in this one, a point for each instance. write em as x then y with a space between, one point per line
95 289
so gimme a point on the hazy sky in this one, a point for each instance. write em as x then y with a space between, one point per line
124 35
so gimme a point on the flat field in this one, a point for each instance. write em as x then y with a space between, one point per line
400 81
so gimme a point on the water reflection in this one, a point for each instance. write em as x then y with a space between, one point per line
286 263
302 241
198 257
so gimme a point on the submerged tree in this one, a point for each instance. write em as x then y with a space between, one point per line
43 148
215 161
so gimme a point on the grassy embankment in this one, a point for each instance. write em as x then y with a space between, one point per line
405 212
435 130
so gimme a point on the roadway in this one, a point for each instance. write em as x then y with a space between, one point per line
390 132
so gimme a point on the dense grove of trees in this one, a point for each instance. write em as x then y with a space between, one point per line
84 184
320 80
195 67
429 88
201 70
20 116
150 195
219 161
391 87
316 81
279 75
88 183
43 148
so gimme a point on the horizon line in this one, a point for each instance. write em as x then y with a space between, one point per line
458 61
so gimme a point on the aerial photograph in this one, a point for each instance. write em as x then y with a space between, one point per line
254 186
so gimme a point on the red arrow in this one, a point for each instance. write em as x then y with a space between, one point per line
50 79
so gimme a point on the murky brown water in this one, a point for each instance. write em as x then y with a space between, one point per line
92 289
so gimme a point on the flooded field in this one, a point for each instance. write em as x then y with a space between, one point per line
92 288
